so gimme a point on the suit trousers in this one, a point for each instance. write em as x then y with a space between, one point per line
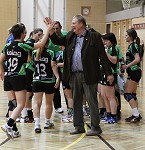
79 87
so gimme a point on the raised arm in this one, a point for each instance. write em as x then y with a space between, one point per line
54 38
49 30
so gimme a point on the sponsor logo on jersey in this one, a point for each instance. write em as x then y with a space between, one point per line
14 53
44 59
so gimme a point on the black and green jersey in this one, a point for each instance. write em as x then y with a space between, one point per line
113 52
43 70
30 64
16 57
119 57
131 51
56 48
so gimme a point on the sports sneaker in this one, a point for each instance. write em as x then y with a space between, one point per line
133 119
111 120
85 110
49 125
16 134
59 110
30 120
37 129
8 130
104 118
27 120
24 120
18 119
69 113
68 119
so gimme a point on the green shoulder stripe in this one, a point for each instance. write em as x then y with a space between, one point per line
51 53
26 46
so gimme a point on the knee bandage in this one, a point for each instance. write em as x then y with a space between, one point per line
12 104
128 96
134 96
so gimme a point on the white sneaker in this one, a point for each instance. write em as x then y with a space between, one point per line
16 134
69 113
8 130
68 119
85 110
37 129
59 110
49 125
18 119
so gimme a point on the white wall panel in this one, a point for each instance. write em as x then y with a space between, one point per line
59 11
26 14
32 12
42 10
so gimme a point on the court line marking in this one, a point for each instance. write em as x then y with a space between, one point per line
103 140
76 141
5 141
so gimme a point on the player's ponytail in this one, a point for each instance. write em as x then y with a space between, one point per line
39 51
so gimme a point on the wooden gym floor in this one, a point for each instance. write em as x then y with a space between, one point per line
121 136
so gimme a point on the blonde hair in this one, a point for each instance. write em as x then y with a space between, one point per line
38 54
40 50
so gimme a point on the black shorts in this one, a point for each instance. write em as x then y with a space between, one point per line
65 85
134 75
105 82
16 83
47 88
29 79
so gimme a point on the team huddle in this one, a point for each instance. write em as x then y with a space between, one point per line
30 68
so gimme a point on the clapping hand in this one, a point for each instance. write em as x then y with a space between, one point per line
47 20
50 24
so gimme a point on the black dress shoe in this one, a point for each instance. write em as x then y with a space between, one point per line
78 131
93 132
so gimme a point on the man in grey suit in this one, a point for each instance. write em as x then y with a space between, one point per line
83 49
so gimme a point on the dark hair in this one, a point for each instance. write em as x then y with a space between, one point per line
36 30
137 41
132 33
17 30
81 19
30 35
111 37
57 22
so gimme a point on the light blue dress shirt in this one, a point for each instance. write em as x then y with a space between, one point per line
77 58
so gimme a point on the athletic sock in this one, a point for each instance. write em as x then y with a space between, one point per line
30 113
135 112
24 113
10 122
113 116
108 114
37 121
47 120
102 111
14 127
